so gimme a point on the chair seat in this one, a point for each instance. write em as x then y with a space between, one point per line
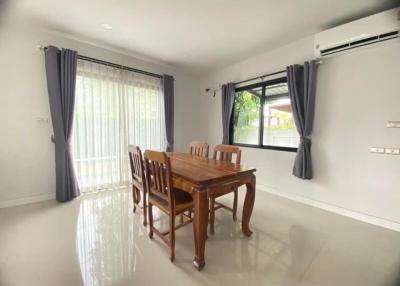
183 202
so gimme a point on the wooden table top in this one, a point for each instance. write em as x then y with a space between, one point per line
200 170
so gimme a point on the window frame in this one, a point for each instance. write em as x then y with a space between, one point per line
260 144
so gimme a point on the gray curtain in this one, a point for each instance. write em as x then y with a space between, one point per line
301 83
61 77
228 96
168 86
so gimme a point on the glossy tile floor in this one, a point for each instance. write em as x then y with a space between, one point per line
96 240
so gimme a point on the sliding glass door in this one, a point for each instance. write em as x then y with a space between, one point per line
113 108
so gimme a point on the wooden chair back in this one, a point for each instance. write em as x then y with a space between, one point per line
137 166
225 152
199 148
158 173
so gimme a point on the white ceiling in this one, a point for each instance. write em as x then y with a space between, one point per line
202 35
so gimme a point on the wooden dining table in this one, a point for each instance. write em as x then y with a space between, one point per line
200 176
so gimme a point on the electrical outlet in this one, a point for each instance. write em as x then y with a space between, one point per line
392 151
393 124
377 150
42 120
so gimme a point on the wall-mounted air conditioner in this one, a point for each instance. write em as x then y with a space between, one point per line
379 28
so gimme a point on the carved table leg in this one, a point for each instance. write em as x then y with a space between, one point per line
248 205
200 224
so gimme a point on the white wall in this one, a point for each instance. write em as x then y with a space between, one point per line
357 94
26 152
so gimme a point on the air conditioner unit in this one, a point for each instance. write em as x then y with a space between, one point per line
378 28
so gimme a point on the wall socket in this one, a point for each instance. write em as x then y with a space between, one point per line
42 120
382 150
377 150
393 124
392 151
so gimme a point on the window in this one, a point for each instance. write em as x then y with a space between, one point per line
113 108
262 117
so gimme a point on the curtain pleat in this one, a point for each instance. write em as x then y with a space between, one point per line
114 108
302 84
61 84
228 97
168 88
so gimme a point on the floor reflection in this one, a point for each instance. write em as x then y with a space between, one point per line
97 240
105 238
268 257
113 248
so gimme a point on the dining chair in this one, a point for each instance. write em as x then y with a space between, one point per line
138 179
169 200
199 148
224 153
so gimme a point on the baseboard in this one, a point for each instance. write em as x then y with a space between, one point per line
27 200
393 225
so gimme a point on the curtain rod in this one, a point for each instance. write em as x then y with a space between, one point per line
261 77
93 60
269 74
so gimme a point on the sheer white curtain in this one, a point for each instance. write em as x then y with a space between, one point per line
113 108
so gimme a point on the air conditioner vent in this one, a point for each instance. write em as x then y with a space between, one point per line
360 43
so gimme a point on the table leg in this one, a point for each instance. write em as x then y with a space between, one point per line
200 224
248 205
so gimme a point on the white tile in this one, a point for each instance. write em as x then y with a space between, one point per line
96 240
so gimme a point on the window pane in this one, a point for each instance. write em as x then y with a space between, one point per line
246 116
279 128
